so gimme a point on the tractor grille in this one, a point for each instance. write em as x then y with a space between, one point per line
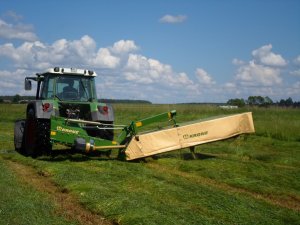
75 111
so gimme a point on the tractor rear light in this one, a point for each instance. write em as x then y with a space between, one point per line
56 69
105 108
46 107
91 72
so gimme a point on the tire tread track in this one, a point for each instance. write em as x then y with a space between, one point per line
65 203
290 202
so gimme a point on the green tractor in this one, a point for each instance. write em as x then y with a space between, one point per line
61 92
66 112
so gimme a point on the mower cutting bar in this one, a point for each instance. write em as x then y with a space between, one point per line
189 135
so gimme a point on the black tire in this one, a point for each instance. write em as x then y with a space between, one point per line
19 136
30 134
44 136
37 135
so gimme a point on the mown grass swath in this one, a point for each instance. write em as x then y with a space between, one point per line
251 179
22 204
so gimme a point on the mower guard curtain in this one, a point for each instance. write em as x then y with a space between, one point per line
188 135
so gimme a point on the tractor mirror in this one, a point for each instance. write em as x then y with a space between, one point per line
28 85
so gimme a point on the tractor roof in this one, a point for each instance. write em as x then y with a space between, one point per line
70 71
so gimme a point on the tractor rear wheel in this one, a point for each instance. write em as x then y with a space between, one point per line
44 136
37 135
19 138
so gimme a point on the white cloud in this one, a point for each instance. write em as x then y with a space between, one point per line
12 81
104 59
265 56
124 46
136 62
253 74
297 60
23 55
293 90
120 68
296 69
185 80
17 31
296 86
230 85
83 47
203 77
29 54
295 73
173 19
146 71
128 74
262 75
265 75
13 15
237 62
61 52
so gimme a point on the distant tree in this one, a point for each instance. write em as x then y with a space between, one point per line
1 100
255 100
259 100
251 100
288 102
268 101
240 102
16 98
281 102
296 104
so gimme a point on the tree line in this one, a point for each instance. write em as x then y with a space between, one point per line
262 101
240 102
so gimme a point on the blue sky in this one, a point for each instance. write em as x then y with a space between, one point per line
163 51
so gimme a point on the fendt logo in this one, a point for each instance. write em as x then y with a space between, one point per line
188 136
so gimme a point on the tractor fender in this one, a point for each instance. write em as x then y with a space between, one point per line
104 112
43 110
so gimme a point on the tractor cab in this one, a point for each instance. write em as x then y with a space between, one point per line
64 84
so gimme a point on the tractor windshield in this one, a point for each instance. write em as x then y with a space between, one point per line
69 88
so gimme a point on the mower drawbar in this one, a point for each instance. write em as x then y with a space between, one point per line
82 145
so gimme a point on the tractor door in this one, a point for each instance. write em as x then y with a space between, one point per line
47 88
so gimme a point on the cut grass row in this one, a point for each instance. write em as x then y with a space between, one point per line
253 179
170 191
23 204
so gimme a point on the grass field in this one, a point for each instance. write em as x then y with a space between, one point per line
250 179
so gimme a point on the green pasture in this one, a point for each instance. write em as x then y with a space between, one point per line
250 179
